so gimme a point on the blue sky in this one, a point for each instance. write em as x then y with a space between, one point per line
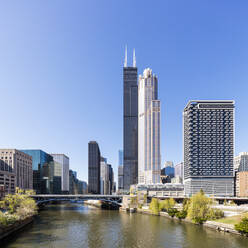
61 69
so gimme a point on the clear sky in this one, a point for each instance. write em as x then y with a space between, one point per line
61 69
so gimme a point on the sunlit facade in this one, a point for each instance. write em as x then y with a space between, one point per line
149 162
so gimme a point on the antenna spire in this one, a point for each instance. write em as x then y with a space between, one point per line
134 58
125 61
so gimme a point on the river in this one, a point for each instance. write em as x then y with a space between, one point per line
76 225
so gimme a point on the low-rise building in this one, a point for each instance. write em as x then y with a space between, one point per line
7 183
160 190
176 179
242 184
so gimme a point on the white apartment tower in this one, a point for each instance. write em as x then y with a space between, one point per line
149 160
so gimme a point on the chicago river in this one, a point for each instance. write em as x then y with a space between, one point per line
79 226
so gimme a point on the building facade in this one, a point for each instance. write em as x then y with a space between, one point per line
209 147
120 178
94 157
120 172
179 170
7 180
241 162
130 124
242 184
20 164
39 158
64 161
51 178
149 129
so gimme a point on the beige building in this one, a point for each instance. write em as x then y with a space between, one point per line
242 184
19 164
149 162
7 182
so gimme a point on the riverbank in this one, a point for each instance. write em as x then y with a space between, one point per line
14 228
222 227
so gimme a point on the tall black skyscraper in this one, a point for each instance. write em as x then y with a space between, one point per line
94 158
130 123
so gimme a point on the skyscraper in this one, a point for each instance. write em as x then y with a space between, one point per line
39 158
64 161
149 129
120 172
94 158
130 123
209 147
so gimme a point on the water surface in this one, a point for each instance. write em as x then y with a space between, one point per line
75 225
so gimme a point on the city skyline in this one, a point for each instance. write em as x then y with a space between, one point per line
48 85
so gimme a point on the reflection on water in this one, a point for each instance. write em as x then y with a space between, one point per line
76 225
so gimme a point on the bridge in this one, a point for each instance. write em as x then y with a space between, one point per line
117 199
114 200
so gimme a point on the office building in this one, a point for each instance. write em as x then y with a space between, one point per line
176 179
20 164
7 180
120 178
105 177
242 184
168 163
73 182
241 162
111 179
64 161
120 157
168 171
120 172
149 129
179 170
39 158
94 157
51 178
82 187
209 147
130 124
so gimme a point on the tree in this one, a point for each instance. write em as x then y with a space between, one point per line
167 204
172 212
154 206
20 202
242 227
199 207
181 214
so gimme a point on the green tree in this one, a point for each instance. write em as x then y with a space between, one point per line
167 204
181 214
242 227
154 206
215 214
199 207
19 201
186 204
172 212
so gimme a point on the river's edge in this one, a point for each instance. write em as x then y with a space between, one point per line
227 228
14 228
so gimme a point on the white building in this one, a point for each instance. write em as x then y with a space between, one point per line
149 160
64 161
104 177
241 162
